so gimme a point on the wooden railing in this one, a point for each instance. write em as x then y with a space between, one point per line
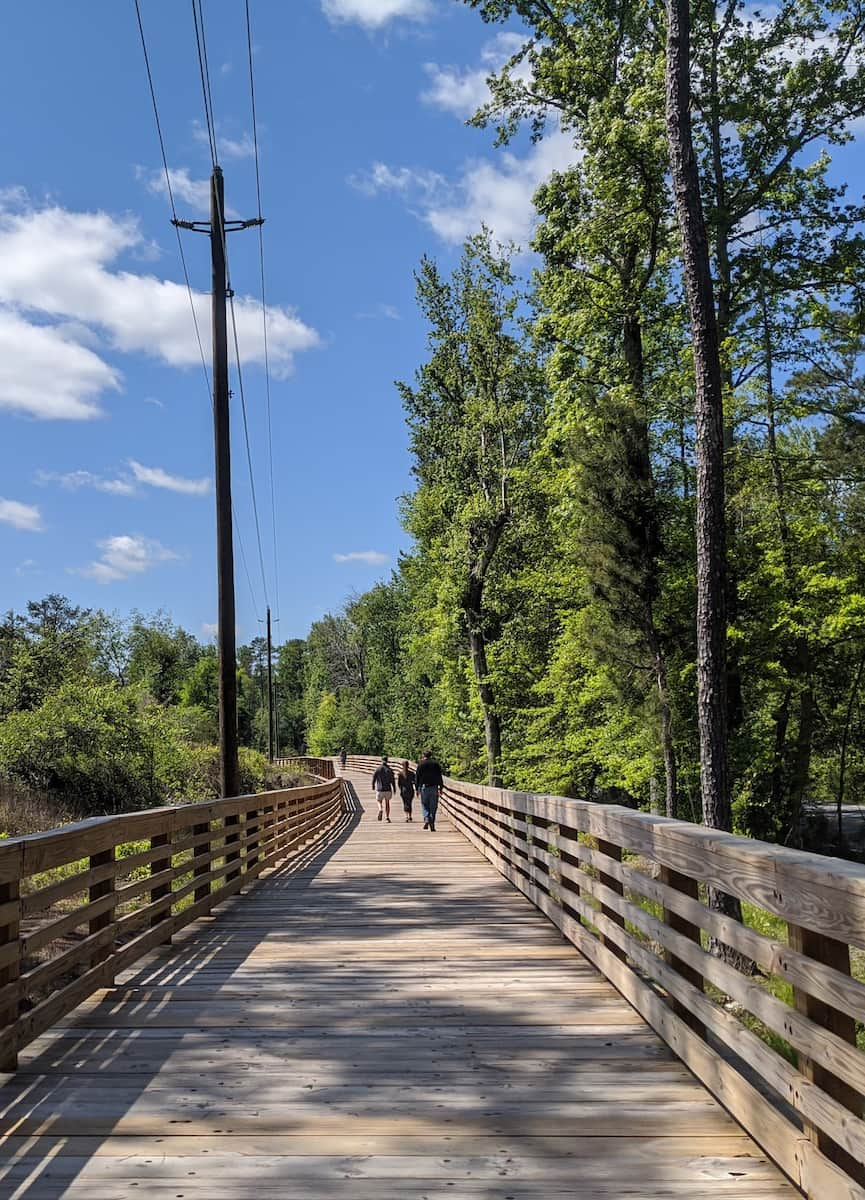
81 903
773 1038
322 767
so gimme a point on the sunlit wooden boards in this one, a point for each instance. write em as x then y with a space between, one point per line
392 1021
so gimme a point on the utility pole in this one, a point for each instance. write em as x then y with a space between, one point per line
269 690
229 771
217 228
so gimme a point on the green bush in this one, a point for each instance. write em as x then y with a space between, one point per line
99 748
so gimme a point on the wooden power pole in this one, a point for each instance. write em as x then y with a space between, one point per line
217 228
269 690
229 770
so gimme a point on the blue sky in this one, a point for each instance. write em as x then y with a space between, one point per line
105 431
106 443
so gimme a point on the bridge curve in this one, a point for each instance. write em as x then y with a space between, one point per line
380 1015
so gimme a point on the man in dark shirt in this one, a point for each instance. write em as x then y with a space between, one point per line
429 783
383 785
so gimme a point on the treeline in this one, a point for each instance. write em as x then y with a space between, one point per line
101 715
638 521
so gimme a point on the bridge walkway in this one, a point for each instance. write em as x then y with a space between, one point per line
387 1020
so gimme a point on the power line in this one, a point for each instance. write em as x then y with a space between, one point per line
184 265
246 439
198 22
170 191
263 306
201 44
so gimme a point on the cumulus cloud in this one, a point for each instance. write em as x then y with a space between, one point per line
242 147
373 14
60 286
126 484
20 516
381 311
194 192
462 90
73 481
228 147
45 375
494 192
373 558
123 556
404 180
156 477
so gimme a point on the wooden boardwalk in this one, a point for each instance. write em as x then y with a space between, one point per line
388 1020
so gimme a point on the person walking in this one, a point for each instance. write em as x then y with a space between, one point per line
383 786
430 784
343 755
405 783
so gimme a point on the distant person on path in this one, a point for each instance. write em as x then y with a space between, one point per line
383 786
405 783
429 783
342 757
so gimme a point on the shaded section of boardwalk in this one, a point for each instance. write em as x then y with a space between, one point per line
389 1018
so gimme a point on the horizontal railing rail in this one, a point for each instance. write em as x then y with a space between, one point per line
322 767
770 1025
81 903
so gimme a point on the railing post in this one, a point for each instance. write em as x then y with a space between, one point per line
835 954
161 890
615 852
530 848
252 830
203 890
104 920
10 942
555 875
688 887
232 856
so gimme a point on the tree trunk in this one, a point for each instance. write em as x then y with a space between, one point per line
472 606
709 445
842 766
711 544
667 745
801 762
641 468
492 723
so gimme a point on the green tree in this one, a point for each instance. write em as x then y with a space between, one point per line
474 415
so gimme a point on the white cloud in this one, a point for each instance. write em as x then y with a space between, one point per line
228 147
73 481
497 193
389 312
156 477
209 629
28 567
194 192
233 148
373 558
21 516
404 180
462 90
372 14
45 375
123 556
59 286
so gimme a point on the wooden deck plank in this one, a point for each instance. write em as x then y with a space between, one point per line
390 1021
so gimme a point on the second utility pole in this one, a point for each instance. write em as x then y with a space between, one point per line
269 690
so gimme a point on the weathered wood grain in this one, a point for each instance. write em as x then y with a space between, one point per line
381 1017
